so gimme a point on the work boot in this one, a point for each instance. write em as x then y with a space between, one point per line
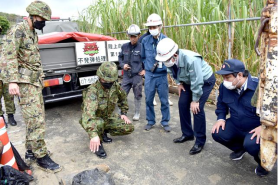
30 156
105 138
136 116
11 120
46 163
4 121
101 152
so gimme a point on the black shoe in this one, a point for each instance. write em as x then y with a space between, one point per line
101 152
182 139
47 164
235 156
11 120
105 138
196 149
30 156
260 171
4 121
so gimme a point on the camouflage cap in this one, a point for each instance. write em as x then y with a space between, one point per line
39 8
108 71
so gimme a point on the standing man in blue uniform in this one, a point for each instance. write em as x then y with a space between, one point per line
195 81
241 132
131 62
156 74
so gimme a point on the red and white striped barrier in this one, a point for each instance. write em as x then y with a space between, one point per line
7 154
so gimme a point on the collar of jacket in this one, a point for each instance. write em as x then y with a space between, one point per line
151 39
27 28
252 83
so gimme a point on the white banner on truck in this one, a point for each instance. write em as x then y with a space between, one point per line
88 53
114 48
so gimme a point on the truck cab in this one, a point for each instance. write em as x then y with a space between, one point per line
70 59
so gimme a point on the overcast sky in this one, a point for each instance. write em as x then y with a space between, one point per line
60 8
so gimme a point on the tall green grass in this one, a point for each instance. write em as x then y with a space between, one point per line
211 41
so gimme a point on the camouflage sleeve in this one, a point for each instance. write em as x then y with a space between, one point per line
89 119
122 102
10 52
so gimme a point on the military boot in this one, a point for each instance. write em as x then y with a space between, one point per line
47 164
11 120
30 156
137 109
105 138
101 152
4 121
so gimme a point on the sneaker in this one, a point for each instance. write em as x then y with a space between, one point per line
47 164
148 127
167 128
170 102
260 171
235 156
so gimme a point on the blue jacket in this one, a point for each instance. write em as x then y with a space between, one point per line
242 113
193 70
131 55
149 53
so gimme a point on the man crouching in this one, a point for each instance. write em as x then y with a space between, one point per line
99 102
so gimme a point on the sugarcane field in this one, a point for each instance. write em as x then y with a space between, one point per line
106 92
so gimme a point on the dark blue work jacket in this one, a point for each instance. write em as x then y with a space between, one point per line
131 55
242 113
149 53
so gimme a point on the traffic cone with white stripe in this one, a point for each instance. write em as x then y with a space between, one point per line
7 154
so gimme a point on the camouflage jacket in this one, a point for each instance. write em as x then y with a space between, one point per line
99 104
20 50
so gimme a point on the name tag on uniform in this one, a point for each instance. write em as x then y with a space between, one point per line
159 64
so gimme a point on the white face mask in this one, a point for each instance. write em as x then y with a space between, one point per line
154 32
170 63
229 85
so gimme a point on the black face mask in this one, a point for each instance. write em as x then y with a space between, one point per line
39 24
107 85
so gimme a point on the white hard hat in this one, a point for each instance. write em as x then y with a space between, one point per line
153 20
165 49
133 30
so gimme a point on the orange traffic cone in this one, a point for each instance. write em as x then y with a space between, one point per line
7 154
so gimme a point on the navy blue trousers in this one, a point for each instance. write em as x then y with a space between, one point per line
159 84
236 140
200 118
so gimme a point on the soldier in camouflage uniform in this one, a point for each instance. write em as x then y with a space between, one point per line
99 102
9 104
22 70
9 100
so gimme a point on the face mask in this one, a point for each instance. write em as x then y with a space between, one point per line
107 85
170 62
39 24
229 85
154 32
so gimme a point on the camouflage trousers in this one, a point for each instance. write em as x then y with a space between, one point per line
32 108
8 99
114 125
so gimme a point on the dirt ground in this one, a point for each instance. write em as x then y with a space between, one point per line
143 157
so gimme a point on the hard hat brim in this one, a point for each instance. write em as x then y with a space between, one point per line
168 56
153 24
